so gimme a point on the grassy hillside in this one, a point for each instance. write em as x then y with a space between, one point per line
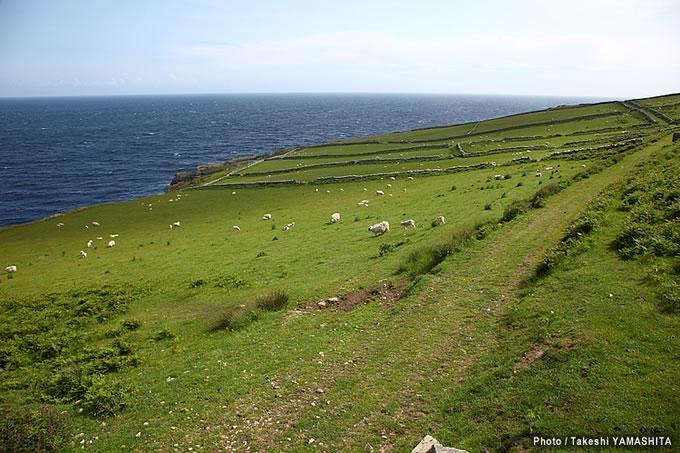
546 305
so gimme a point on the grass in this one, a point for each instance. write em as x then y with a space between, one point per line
174 338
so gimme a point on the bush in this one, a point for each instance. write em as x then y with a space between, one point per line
163 334
514 209
538 203
547 191
235 317
385 248
271 302
487 207
33 430
105 395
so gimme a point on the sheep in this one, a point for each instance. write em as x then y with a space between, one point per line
365 189
267 217
538 175
233 193
380 228
389 195
60 224
342 190
10 269
83 254
100 238
410 178
111 243
89 243
176 224
170 226
379 192
408 223
95 223
236 228
113 235
404 190
389 186
440 219
393 178
335 217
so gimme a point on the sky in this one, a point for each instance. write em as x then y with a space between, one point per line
602 48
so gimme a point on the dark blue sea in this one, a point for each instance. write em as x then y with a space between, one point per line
57 154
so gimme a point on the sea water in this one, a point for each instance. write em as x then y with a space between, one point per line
58 154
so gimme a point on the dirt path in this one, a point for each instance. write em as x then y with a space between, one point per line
379 396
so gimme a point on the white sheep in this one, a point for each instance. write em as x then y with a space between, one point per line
440 219
267 217
113 235
176 224
380 228
83 254
393 178
233 193
60 224
379 192
404 190
335 217
236 228
89 243
111 243
538 175
100 238
10 269
408 223
410 178
365 189
389 186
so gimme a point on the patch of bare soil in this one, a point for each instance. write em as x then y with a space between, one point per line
385 292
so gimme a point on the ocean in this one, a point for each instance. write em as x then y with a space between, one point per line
57 154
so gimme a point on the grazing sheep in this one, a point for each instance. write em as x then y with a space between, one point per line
393 178
83 254
236 228
389 186
176 224
440 219
538 175
170 226
113 235
60 224
408 223
404 190
380 228
379 192
389 195
233 193
10 269
111 243
365 189
100 238
89 243
95 223
410 178
267 217
316 190
335 217
342 190
170 200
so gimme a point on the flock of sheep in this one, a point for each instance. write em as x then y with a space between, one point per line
378 229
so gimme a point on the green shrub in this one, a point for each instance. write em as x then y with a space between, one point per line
197 283
105 395
385 248
487 207
33 430
538 203
163 334
514 209
272 301
234 317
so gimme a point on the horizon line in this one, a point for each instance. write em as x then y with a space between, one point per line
312 93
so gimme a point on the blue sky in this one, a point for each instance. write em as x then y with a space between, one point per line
604 48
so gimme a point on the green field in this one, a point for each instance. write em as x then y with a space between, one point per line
546 305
